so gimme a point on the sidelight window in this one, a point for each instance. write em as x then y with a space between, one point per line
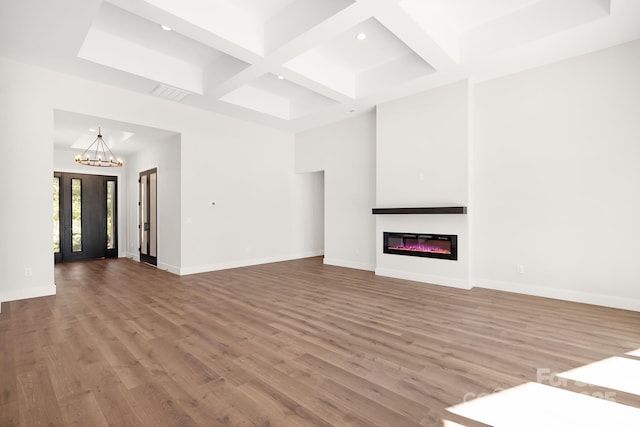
56 214
111 210
76 215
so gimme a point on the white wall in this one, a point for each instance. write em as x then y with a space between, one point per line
63 161
422 161
248 171
422 149
26 147
165 156
557 180
345 151
247 168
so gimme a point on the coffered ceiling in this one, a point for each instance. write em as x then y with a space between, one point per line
296 64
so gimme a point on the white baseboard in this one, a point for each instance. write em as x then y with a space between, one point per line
168 267
425 278
245 263
349 264
26 293
561 294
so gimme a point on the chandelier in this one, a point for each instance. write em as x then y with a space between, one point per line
96 154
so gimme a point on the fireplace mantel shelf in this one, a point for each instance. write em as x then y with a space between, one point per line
427 210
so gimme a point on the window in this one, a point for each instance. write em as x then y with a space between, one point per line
111 210
76 215
56 214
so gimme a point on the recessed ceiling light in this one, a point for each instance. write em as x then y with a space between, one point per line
280 77
92 130
361 36
165 27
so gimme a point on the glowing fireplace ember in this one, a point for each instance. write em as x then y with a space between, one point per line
423 248
426 245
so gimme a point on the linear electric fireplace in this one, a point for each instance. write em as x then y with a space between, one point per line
443 246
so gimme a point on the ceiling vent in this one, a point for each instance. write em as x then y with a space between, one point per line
169 92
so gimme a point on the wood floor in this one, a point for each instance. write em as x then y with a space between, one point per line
286 344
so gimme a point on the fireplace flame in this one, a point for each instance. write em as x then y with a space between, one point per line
422 248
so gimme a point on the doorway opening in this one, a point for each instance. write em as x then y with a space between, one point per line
85 216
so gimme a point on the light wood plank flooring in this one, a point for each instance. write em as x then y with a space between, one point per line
286 344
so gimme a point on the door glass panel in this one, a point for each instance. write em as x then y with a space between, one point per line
76 215
56 214
144 225
152 214
111 209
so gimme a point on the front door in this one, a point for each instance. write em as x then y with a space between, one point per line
86 216
148 225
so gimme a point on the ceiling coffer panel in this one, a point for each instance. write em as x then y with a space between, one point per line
273 95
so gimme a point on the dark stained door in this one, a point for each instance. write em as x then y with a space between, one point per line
87 216
148 214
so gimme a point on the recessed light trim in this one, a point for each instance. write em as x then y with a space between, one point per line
91 130
361 36
280 77
165 27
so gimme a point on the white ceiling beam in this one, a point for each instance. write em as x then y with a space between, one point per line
322 32
389 14
238 80
298 18
303 42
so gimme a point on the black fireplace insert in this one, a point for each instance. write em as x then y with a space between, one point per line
442 246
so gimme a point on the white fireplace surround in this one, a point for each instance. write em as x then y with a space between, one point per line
429 270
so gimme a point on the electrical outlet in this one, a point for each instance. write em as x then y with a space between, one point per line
520 268
28 272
